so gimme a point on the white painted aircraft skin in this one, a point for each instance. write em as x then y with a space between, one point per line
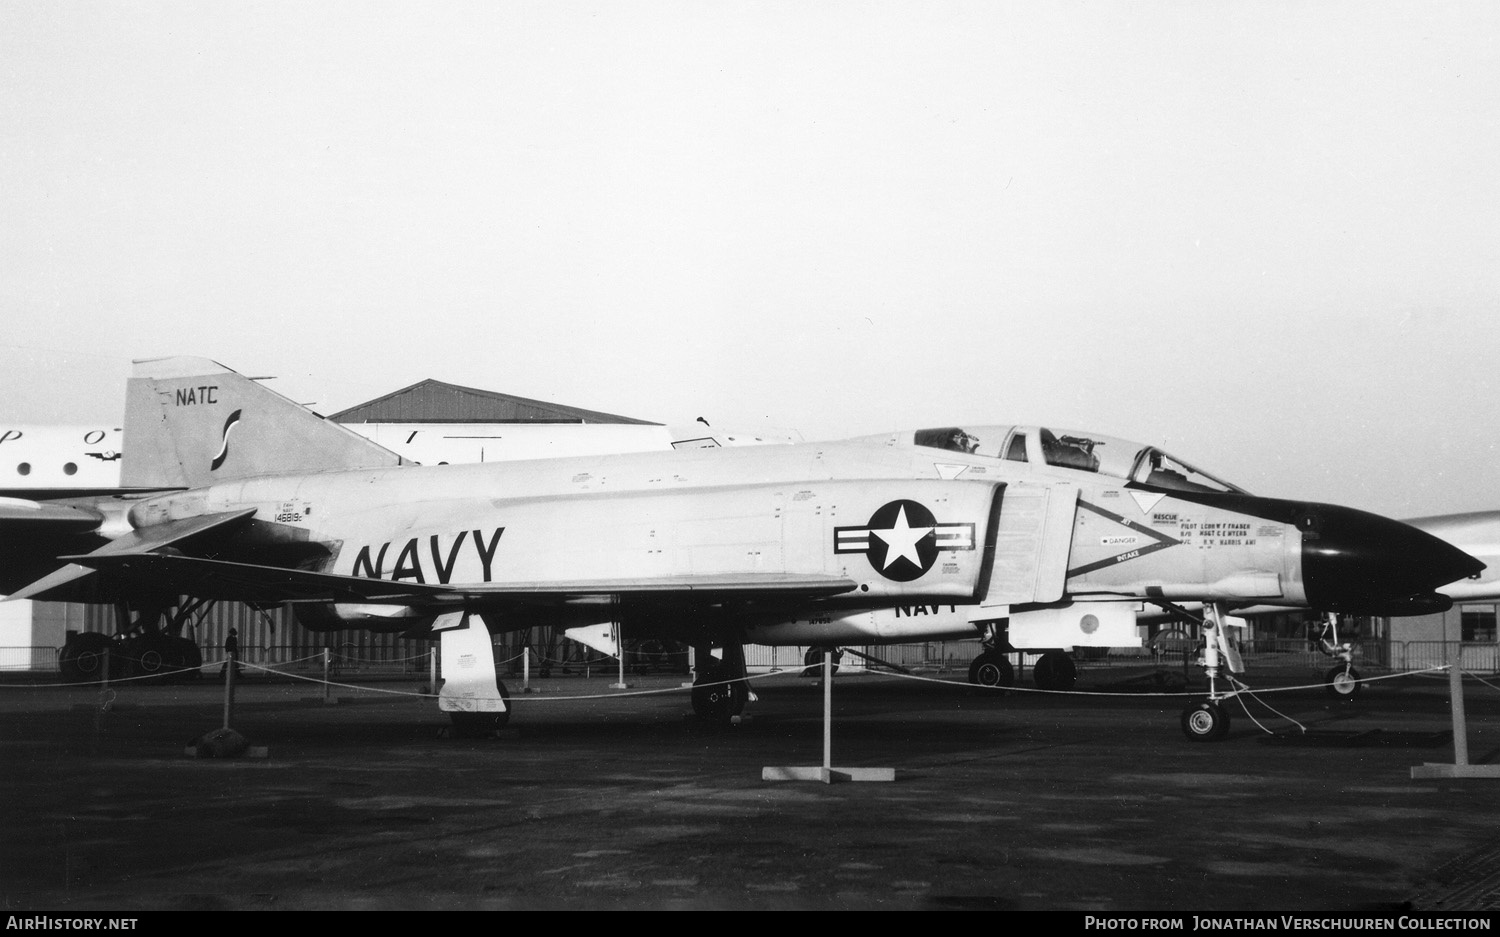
59 456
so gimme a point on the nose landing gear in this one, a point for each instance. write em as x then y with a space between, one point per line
1343 681
1208 721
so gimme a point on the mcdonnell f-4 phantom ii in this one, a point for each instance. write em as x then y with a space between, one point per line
1042 538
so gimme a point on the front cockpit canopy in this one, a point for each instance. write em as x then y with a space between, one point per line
1072 449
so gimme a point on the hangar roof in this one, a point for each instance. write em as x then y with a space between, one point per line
433 401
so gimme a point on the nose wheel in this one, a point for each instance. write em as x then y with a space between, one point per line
1205 722
1343 682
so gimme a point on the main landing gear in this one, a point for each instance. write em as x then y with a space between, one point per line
145 647
476 702
719 689
1054 670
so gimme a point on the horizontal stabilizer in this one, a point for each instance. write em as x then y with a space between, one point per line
133 544
172 533
61 577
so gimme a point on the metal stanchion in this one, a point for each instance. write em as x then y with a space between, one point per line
1460 767
225 742
827 773
230 666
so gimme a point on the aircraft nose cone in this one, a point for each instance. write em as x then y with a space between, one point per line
1361 563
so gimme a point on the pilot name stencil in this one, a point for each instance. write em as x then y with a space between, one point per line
443 556
1210 534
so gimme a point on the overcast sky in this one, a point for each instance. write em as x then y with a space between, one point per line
1264 235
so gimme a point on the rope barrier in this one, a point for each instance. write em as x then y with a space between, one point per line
1240 688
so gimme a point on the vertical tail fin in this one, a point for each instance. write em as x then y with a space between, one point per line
191 422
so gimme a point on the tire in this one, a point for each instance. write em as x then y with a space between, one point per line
82 658
1205 722
1055 671
151 658
482 725
992 669
813 661
1343 683
719 702
192 660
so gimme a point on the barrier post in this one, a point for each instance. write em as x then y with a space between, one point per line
230 667
1460 767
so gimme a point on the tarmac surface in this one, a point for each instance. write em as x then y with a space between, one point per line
597 798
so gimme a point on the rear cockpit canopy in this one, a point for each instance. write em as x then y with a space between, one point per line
1072 449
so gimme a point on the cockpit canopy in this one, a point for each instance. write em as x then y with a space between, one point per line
1072 449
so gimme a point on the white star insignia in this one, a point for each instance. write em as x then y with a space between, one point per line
901 540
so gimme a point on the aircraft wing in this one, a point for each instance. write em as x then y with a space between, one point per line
248 582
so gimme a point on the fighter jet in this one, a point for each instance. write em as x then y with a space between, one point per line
1041 537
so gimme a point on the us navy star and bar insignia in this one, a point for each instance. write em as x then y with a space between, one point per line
903 539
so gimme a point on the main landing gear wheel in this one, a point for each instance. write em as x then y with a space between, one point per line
1343 683
991 668
717 701
82 658
157 657
1205 722
479 725
812 661
1054 671
151 663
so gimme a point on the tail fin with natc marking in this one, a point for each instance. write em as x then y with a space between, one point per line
191 422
